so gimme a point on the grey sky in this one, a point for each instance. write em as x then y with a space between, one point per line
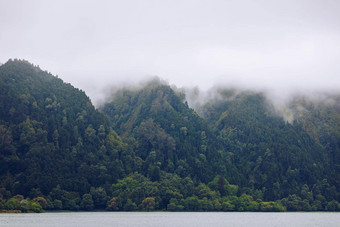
281 45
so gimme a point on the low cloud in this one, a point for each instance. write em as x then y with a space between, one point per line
279 47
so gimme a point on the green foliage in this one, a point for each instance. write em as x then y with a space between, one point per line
18 202
148 204
35 207
99 197
147 150
87 202
113 204
13 204
58 204
278 158
167 132
42 201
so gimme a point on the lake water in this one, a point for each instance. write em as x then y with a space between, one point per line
159 219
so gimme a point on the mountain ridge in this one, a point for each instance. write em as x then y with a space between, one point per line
147 149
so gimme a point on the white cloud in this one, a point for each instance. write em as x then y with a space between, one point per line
277 45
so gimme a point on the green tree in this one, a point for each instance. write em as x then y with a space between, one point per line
58 204
87 202
99 196
35 207
130 206
113 204
192 203
148 204
221 185
13 204
42 201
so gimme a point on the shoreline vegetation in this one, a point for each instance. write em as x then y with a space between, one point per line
208 200
10 211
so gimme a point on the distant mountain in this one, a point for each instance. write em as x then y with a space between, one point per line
146 149
52 137
168 133
277 157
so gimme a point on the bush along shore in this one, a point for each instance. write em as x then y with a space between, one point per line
134 193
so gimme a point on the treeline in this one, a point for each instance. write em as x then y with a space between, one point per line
145 149
18 204
137 193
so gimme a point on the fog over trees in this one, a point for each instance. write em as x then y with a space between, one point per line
146 149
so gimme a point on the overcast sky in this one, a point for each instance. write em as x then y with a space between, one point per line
282 45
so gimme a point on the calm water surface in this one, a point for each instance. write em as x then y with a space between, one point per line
210 219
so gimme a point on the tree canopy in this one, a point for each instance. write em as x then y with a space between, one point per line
146 149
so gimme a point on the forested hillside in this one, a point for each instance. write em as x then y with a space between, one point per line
279 158
167 134
146 149
54 144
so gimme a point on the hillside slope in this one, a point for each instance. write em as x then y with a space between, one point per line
168 134
52 138
279 158
58 152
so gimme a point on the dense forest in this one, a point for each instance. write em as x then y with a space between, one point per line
146 149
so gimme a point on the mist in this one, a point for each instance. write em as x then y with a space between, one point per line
290 105
280 48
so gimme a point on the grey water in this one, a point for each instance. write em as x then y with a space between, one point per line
165 219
